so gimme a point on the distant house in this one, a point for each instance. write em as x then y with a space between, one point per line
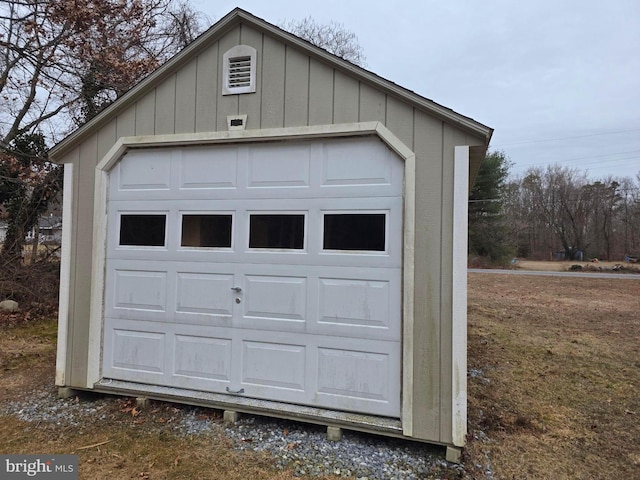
263 227
49 226
49 230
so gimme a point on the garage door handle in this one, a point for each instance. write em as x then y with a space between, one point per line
236 391
236 289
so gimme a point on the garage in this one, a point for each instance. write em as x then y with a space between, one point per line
262 227
267 270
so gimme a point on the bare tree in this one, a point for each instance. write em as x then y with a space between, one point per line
559 208
184 24
605 199
50 51
629 214
333 37
63 61
558 203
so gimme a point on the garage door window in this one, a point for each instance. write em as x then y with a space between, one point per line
354 231
206 231
276 231
143 230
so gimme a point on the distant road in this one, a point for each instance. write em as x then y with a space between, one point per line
625 276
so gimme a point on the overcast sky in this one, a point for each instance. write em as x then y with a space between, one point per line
558 80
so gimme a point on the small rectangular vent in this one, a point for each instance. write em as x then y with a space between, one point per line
239 72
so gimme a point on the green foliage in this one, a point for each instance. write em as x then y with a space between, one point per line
488 233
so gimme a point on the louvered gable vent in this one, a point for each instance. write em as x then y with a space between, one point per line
239 70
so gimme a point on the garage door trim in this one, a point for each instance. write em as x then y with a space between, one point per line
124 144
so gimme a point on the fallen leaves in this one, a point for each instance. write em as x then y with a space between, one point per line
130 408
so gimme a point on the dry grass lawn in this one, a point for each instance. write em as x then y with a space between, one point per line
554 376
553 393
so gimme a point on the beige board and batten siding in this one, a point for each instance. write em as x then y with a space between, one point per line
295 87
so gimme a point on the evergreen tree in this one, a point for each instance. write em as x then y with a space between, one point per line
488 233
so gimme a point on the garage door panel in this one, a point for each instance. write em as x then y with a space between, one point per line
150 171
359 303
140 290
202 361
353 373
359 162
339 301
275 297
274 365
204 293
134 354
274 167
359 380
338 172
208 169
358 307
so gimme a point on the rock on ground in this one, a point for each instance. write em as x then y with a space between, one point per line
9 306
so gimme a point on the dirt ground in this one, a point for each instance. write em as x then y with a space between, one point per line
554 375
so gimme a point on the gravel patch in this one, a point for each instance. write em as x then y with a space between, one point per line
303 447
44 406
366 457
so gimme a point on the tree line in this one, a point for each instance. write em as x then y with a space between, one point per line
552 213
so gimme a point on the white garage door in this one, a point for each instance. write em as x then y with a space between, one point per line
267 270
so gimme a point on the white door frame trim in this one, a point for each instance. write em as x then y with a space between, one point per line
124 144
